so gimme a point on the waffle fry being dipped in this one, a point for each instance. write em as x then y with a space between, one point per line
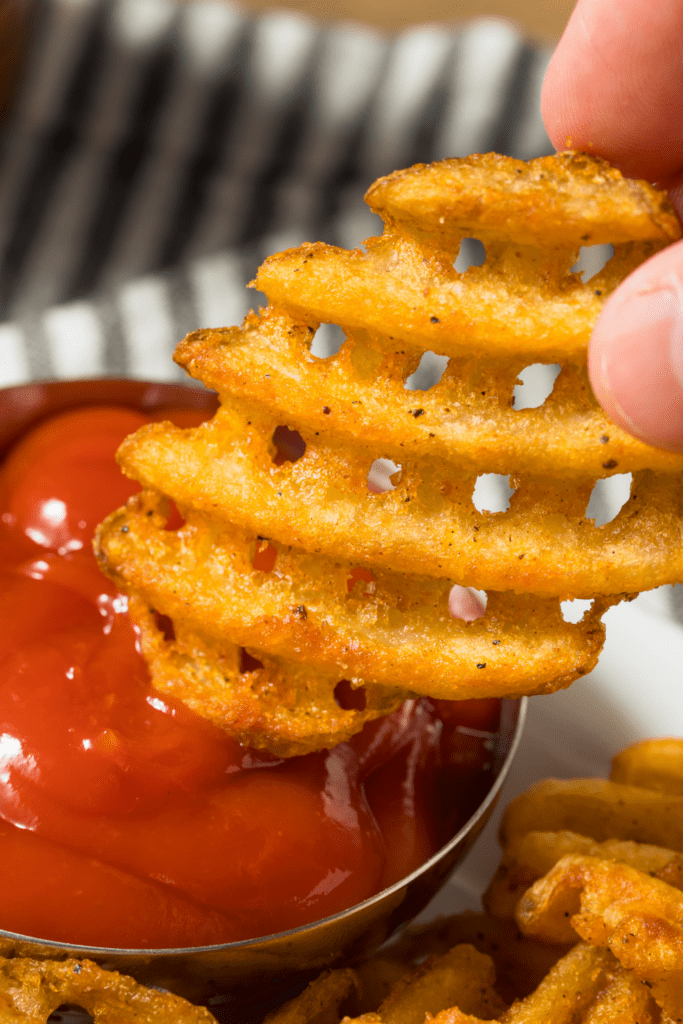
287 574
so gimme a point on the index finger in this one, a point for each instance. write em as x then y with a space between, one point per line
614 86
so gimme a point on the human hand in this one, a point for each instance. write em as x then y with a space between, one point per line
614 88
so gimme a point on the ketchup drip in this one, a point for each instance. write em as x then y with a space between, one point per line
127 820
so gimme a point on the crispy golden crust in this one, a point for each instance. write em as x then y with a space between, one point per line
30 990
461 977
399 635
599 809
303 618
428 522
527 857
319 1002
466 419
640 919
521 302
521 962
586 986
566 200
293 707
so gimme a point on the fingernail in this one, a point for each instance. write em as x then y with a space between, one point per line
637 364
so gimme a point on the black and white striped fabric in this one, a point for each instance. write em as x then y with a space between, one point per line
159 150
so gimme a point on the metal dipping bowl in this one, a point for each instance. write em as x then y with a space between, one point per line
244 979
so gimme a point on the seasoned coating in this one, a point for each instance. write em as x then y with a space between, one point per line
569 199
586 986
466 418
428 521
527 857
319 1002
639 918
279 699
461 977
521 962
356 583
200 576
599 809
31 990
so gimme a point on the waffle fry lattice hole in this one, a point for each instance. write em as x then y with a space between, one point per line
239 486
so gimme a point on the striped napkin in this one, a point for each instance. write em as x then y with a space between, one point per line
160 150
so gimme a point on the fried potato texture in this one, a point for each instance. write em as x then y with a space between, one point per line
30 990
319 1003
603 861
287 553
655 764
521 961
640 919
587 985
463 976
527 857
597 808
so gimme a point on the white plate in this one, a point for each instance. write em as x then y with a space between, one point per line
636 691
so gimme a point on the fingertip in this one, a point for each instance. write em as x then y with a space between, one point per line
636 352
556 101
613 86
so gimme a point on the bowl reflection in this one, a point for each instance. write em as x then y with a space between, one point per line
255 972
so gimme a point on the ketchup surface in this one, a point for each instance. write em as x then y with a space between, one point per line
128 821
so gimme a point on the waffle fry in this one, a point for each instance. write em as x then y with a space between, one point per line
654 764
319 1003
307 618
623 893
586 986
599 809
639 918
30 990
462 975
634 824
526 858
521 962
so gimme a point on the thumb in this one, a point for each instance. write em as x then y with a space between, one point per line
635 359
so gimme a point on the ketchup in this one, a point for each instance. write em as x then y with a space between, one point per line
128 821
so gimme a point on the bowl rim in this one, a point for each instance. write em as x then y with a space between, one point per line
150 393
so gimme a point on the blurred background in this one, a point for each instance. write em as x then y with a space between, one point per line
542 20
155 151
